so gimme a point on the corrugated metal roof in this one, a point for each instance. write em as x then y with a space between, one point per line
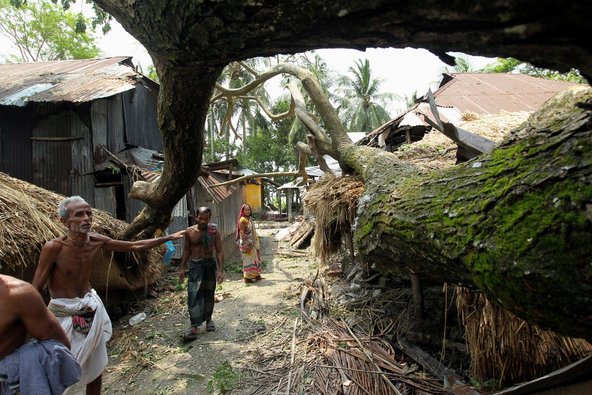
75 81
491 93
217 193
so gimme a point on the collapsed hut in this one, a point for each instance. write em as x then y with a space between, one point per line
502 348
29 219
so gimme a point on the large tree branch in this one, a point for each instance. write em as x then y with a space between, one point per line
516 223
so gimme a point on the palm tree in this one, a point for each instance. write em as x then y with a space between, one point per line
462 65
362 104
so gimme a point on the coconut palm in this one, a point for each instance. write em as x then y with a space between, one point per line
362 105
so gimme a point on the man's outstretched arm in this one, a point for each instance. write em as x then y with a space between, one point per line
139 245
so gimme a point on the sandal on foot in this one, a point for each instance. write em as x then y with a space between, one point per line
210 326
249 280
189 335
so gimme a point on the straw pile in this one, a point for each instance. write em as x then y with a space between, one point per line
333 201
436 151
29 219
507 350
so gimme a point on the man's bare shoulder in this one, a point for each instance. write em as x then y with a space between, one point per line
54 245
192 229
12 287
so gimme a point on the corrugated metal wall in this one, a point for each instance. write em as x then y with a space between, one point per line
15 145
107 122
225 213
62 156
179 222
141 124
105 199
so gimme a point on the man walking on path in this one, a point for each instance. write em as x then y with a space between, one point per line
43 366
200 241
65 265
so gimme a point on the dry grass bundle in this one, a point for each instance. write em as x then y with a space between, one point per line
506 349
436 151
469 116
29 219
333 201
497 126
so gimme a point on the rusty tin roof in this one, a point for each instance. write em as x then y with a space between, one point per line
491 93
75 81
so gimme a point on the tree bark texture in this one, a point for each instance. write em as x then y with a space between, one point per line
207 32
182 109
516 223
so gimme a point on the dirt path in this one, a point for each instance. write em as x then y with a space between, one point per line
149 358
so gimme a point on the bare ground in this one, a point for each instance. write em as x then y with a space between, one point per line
150 358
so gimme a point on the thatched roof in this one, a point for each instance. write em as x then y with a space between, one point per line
436 151
506 348
29 219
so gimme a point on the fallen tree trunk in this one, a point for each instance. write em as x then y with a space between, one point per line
516 223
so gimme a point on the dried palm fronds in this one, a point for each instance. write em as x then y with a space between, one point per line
333 201
507 349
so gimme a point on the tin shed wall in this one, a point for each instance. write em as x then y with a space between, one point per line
141 123
180 221
62 156
224 213
15 145
108 124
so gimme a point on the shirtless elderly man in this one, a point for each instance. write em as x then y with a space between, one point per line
44 366
65 265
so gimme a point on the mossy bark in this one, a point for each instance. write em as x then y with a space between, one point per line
516 223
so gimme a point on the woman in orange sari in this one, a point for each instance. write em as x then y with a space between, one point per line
248 244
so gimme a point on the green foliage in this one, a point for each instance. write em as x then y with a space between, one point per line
502 65
152 73
462 65
100 18
267 147
512 65
362 104
223 380
43 31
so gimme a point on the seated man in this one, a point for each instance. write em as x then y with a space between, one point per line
44 366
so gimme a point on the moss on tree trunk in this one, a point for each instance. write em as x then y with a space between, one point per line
516 223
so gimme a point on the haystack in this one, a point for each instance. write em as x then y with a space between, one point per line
436 151
506 349
333 201
29 219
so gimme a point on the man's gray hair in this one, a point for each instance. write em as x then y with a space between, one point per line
62 207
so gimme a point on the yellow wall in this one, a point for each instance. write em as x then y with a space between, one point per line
252 196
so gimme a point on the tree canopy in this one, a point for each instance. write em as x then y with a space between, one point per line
43 31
